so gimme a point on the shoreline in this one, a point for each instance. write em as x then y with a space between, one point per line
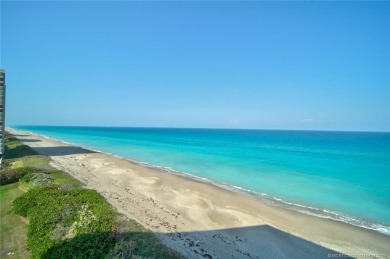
164 203
262 197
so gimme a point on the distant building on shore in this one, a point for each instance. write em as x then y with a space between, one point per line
2 113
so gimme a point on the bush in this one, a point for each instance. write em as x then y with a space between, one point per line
8 176
29 174
37 179
56 215
95 245
32 170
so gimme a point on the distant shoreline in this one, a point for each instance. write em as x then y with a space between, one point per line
303 206
201 128
84 166
269 200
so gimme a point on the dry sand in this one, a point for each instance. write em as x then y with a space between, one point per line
200 220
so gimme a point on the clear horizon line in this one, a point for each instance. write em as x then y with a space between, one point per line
200 128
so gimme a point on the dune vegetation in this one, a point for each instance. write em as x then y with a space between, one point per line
45 213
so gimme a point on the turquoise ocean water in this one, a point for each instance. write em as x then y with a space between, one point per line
344 176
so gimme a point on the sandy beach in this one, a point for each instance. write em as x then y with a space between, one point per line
200 220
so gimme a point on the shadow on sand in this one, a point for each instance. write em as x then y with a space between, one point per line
28 140
62 150
225 243
20 135
243 242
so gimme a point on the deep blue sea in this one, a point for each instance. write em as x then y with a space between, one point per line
344 176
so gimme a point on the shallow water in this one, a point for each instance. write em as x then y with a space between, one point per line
339 175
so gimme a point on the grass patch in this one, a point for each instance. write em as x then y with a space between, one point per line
65 220
35 161
13 235
63 179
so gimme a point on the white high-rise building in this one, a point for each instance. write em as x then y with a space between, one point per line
2 112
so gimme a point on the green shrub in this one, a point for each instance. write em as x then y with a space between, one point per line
29 174
96 245
32 170
37 179
56 215
8 176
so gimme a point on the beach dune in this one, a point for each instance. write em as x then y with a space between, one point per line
201 220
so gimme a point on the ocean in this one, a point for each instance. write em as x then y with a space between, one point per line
343 176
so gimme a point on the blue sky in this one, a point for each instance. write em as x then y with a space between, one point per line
265 65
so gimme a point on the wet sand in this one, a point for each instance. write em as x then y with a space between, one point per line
201 220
